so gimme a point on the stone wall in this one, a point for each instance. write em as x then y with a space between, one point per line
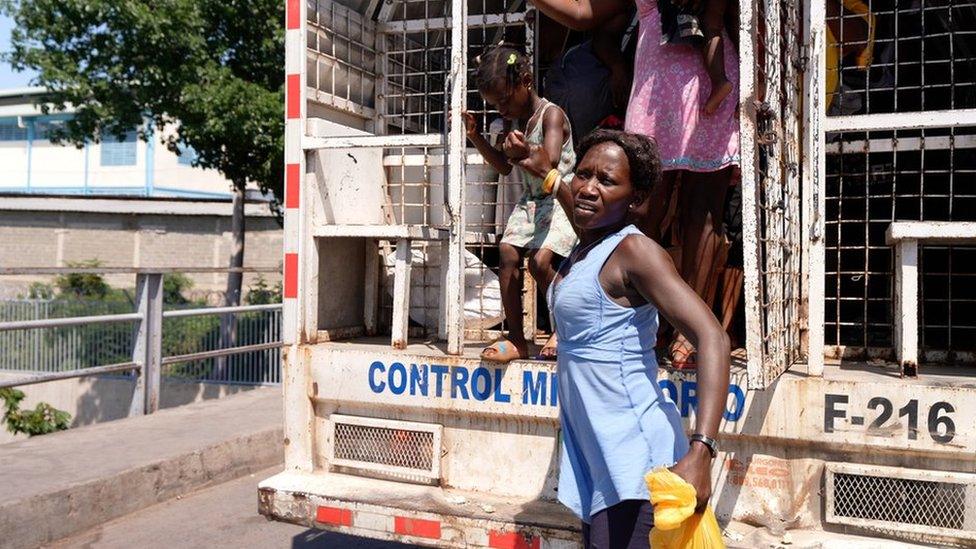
135 236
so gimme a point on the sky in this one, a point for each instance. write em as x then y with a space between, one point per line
9 78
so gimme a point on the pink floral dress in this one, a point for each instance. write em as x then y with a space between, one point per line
670 88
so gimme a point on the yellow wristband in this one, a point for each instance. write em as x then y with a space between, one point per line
549 182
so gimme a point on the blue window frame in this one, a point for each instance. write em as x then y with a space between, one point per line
116 152
10 131
187 155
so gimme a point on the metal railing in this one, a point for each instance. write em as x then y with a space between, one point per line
147 360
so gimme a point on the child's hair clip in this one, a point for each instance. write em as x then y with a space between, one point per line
512 58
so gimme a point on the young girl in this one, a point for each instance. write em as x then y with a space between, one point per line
542 149
617 423
682 22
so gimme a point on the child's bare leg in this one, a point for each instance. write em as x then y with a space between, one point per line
510 281
542 267
713 22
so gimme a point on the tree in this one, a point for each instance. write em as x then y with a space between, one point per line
211 69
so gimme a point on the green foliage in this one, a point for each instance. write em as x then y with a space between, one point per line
173 287
40 290
211 68
263 294
81 285
43 419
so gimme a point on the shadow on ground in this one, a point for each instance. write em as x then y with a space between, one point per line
320 539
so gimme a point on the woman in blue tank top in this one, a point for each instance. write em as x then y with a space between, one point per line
617 423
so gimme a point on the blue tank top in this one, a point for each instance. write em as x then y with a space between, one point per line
617 423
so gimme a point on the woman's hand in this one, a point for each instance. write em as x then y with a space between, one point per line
696 469
516 147
532 158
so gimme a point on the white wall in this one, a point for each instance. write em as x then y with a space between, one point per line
13 159
57 165
169 173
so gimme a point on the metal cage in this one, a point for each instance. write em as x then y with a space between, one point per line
898 149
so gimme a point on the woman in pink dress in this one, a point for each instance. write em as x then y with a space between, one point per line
699 151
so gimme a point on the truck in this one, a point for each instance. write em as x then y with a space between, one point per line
846 409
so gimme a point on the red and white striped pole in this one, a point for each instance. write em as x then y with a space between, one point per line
294 379
294 165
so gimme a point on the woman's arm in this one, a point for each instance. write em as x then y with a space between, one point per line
648 269
553 138
606 47
539 159
581 15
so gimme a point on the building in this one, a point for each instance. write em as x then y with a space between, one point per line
126 203
128 167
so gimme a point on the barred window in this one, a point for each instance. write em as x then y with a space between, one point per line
116 152
10 131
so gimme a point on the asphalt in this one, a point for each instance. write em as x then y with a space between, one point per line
220 516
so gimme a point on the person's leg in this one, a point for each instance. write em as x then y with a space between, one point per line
713 23
542 267
510 282
626 525
732 280
701 208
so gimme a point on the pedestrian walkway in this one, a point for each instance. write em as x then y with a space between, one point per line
61 484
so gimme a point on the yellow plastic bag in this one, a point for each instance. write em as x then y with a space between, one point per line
676 525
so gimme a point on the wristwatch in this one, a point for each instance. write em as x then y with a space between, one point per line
709 442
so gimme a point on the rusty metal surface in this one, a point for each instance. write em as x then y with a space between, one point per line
774 248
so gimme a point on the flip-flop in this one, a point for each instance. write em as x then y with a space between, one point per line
505 352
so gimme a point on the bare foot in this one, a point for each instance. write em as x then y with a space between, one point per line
720 91
548 351
504 350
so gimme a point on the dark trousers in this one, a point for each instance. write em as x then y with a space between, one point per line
626 525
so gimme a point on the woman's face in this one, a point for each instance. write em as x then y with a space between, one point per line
601 188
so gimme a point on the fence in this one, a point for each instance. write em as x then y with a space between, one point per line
72 347
143 341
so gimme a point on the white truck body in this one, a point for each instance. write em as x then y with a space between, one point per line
396 430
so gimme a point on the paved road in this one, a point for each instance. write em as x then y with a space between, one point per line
221 516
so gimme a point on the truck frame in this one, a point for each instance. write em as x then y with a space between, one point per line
395 430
